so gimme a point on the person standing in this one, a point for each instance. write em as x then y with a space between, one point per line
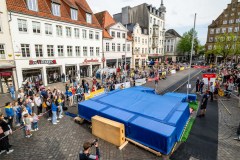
12 91
203 106
4 141
197 85
201 85
10 113
63 77
85 154
38 103
212 88
54 111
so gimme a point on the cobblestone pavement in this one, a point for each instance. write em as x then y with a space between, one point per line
228 148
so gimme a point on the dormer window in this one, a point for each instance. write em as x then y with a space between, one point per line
56 9
74 14
32 5
88 18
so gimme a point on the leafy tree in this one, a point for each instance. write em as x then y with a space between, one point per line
185 44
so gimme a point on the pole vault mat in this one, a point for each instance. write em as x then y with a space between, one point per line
202 142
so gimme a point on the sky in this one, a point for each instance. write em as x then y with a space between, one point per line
180 13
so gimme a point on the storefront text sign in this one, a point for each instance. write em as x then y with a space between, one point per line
32 62
90 60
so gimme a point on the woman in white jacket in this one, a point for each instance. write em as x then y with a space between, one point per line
38 102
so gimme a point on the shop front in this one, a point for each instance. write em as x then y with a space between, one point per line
6 78
84 71
71 71
32 75
95 67
112 63
53 75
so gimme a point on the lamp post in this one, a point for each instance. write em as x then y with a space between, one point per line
193 37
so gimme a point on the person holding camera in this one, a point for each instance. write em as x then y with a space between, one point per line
85 154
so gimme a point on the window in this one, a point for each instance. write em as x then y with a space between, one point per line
218 30
48 29
236 29
97 51
229 29
84 51
90 34
2 51
150 31
138 39
68 32
232 14
56 9
211 39
91 51
32 5
0 23
135 39
74 14
226 15
146 50
150 19
123 35
113 47
84 33
60 51
25 50
142 50
124 47
118 35
107 47
113 34
78 50
145 41
210 47
142 41
69 50
76 32
233 9
36 27
128 47
211 31
118 47
238 20
39 50
97 35
88 18
22 25
50 50
225 22
231 21
223 30
59 30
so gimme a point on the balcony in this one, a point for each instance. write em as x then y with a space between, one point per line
155 31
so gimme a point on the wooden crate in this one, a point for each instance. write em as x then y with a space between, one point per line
108 130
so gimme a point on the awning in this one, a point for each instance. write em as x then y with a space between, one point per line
5 74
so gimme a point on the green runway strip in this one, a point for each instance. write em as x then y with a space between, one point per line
187 130
193 105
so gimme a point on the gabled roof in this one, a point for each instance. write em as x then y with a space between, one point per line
44 10
173 32
105 19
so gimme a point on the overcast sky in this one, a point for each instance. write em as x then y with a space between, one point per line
180 13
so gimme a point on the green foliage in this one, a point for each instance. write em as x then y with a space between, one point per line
185 44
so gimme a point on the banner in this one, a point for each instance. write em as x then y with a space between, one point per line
139 82
117 86
94 94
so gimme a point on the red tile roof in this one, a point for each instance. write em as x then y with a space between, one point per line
105 19
44 10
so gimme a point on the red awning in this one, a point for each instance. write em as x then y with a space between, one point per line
6 74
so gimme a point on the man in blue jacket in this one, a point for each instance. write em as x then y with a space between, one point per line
10 113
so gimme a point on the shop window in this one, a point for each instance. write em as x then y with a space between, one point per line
39 50
91 51
97 51
76 32
50 51
68 32
36 27
25 50
48 29
60 51
59 30
22 25
113 47
69 51
90 34
78 51
84 51
2 51
84 34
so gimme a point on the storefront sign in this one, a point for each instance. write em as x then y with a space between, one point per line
32 62
90 60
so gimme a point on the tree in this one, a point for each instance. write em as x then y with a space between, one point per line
225 46
185 44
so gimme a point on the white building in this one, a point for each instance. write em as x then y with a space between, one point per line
51 38
116 42
7 67
172 39
151 18
140 45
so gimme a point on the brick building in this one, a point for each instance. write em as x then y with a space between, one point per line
227 22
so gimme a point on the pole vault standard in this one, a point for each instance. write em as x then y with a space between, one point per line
193 37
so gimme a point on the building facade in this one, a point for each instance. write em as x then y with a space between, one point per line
140 45
227 22
7 66
151 18
172 39
54 38
116 43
